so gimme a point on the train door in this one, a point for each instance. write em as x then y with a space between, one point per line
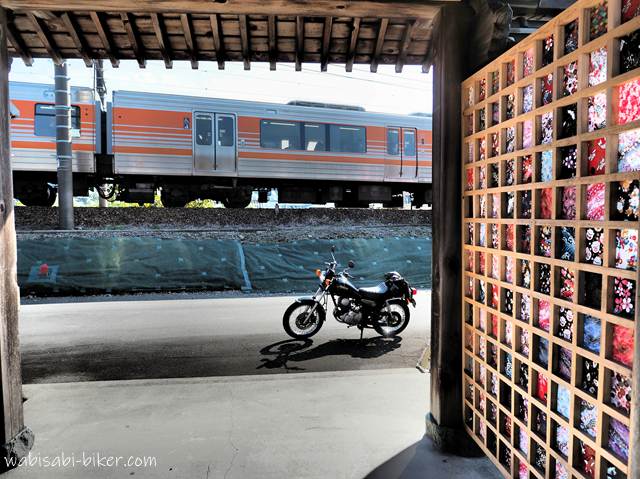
401 158
409 153
393 156
214 145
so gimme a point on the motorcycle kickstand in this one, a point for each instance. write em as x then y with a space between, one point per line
361 332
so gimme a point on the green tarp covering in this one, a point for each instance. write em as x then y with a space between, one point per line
130 264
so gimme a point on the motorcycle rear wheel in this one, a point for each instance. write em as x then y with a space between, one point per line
400 319
298 324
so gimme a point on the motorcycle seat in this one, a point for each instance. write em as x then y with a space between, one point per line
374 291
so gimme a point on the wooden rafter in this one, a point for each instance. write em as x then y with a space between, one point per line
218 40
105 37
299 42
326 42
71 25
404 46
133 34
244 41
163 41
272 32
44 35
18 43
355 31
382 31
189 38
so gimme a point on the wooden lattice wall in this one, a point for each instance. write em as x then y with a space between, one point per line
551 186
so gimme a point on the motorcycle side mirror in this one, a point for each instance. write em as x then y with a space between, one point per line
351 264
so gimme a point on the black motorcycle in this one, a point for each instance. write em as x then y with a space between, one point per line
383 307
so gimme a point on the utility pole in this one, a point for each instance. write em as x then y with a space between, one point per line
63 147
101 89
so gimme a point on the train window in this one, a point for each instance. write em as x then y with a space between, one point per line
203 130
225 131
409 147
45 120
315 137
280 135
393 141
348 139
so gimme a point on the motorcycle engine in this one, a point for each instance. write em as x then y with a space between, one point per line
346 311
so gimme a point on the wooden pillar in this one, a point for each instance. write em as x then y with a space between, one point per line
444 423
15 439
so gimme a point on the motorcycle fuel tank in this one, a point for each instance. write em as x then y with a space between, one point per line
344 287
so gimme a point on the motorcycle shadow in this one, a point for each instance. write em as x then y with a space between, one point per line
300 350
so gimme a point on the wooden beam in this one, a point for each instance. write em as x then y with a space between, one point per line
43 33
351 53
18 43
105 37
382 31
309 8
272 32
404 46
299 42
129 22
326 43
218 40
163 41
71 25
189 38
244 41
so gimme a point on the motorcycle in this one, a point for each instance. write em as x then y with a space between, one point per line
383 307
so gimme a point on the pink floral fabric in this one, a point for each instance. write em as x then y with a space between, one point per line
527 62
595 201
629 151
527 134
627 249
597 111
598 66
629 102
622 345
544 314
569 203
546 203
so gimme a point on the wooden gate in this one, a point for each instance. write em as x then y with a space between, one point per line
551 192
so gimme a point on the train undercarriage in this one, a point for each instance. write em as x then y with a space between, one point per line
40 189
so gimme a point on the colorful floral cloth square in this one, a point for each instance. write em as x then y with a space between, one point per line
622 345
511 72
612 472
620 393
562 440
527 99
495 114
597 112
495 267
588 418
544 279
524 342
568 195
626 200
595 201
469 179
525 308
482 119
527 62
522 411
629 102
495 238
527 169
590 376
546 203
547 51
523 471
508 269
508 366
510 172
598 66
525 204
527 134
542 352
470 95
509 203
591 290
571 37
546 165
629 151
482 178
544 314
561 471
510 106
598 21
618 441
495 82
563 401
507 303
591 333
494 175
630 9
510 140
524 243
624 292
567 284
594 246
509 234
469 152
586 460
482 292
482 206
542 387
569 115
494 297
566 248
565 324
630 50
546 128
470 228
523 376
508 333
596 156
627 249
570 79
563 368
495 144
544 241
540 423
504 456
546 88
482 89
525 274
568 162
482 149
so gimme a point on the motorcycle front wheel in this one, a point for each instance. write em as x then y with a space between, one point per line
300 322
393 321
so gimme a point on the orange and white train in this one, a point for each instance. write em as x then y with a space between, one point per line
192 147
